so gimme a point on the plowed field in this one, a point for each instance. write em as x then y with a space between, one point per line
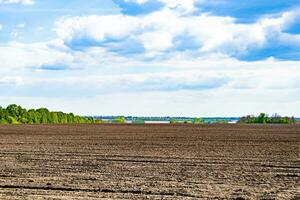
150 162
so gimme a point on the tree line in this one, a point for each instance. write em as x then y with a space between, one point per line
265 119
14 114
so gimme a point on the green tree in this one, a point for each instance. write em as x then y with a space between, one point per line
12 120
120 120
13 110
3 121
197 121
262 118
14 114
173 121
55 118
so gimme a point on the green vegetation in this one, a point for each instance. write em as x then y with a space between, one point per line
197 121
265 119
14 114
119 120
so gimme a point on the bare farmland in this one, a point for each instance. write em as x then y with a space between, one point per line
150 162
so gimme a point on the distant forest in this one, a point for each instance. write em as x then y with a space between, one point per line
265 119
14 114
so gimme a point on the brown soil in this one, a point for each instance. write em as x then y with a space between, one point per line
149 162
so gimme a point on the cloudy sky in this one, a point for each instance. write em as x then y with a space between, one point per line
151 57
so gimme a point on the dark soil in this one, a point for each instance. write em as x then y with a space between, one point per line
150 162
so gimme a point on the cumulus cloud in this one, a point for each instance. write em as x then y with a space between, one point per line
113 73
24 2
19 56
281 21
108 27
209 82
157 31
277 26
170 57
166 30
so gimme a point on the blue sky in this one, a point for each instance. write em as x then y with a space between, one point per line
151 57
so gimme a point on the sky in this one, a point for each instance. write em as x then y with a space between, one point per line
197 58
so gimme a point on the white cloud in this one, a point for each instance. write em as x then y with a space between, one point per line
0 26
187 66
24 2
184 6
280 21
22 25
111 26
19 56
156 41
275 26
180 84
180 6
165 29
113 73
221 102
137 1
11 80
15 34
